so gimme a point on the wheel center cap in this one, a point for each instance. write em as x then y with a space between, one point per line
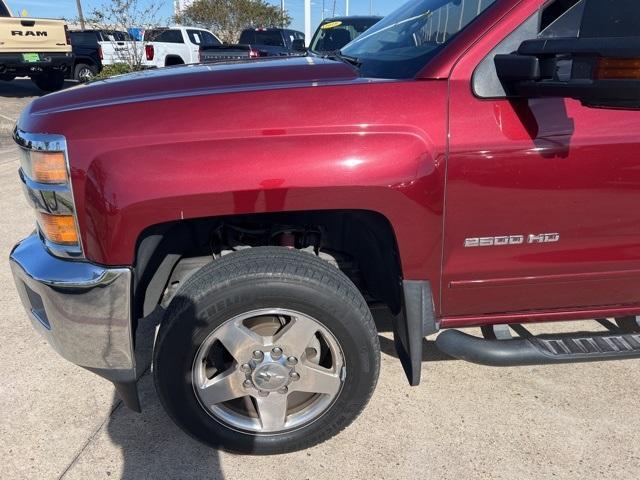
271 376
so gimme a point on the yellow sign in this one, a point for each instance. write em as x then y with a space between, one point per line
326 26
24 12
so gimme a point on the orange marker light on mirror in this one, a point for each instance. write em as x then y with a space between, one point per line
48 167
617 69
59 229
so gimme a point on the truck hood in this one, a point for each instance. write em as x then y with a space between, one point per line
192 80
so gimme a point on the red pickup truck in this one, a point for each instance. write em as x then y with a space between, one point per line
462 163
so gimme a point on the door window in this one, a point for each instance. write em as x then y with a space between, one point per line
166 36
202 37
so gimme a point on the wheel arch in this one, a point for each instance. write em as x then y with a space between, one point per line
367 235
170 60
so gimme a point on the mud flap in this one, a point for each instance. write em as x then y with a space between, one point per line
416 320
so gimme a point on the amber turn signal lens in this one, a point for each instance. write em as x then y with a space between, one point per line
58 228
618 69
48 167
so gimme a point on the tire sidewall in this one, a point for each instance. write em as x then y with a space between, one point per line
81 66
197 317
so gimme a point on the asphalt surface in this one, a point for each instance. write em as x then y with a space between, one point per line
463 422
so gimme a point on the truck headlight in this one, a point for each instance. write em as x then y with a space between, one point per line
45 174
60 229
47 167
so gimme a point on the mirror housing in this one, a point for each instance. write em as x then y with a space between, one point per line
600 72
298 46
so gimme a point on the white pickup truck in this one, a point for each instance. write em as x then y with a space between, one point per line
176 45
34 47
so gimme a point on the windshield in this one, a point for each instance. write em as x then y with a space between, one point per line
4 11
401 44
332 35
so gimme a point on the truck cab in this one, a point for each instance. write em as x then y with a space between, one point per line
176 45
460 164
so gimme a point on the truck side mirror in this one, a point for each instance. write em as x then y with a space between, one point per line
298 46
600 66
600 72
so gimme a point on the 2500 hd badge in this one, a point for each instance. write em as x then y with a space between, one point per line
504 240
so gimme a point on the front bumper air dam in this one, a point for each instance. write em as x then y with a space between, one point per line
83 310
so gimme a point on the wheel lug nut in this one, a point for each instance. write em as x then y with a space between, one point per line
245 367
258 355
292 361
263 393
283 390
247 384
295 376
276 352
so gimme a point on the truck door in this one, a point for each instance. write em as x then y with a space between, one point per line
542 194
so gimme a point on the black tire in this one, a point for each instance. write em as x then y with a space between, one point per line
7 77
49 81
265 277
83 72
628 324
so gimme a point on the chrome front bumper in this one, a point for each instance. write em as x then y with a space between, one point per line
82 309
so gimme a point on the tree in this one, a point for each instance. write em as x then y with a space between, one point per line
124 15
227 18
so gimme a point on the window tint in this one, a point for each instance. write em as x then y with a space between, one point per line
566 24
201 37
114 36
332 35
611 18
247 37
83 38
166 36
4 11
402 43
269 37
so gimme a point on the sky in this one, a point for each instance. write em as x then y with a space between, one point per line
67 8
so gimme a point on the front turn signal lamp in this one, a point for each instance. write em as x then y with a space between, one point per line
60 229
47 167
618 69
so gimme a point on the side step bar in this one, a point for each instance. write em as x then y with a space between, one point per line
548 349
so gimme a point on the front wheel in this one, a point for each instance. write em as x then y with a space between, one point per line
266 351
84 73
49 81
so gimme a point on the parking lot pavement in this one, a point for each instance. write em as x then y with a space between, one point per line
463 421
14 96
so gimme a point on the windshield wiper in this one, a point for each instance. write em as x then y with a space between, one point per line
344 58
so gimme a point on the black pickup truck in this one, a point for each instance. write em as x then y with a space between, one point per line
256 43
88 56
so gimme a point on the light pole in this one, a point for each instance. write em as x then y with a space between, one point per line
80 15
346 7
370 7
307 21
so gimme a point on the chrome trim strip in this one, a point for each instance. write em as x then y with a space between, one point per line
45 198
38 141
87 306
56 193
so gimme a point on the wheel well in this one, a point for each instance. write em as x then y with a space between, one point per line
173 60
84 61
361 243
